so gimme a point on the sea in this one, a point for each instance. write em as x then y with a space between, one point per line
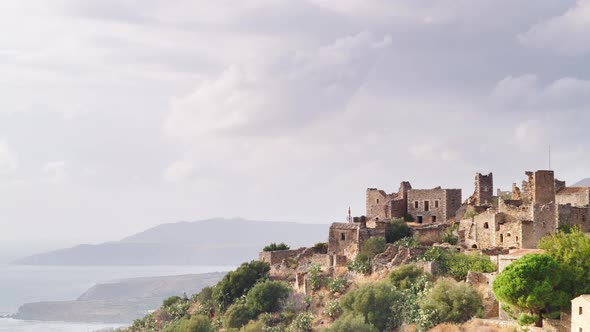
21 284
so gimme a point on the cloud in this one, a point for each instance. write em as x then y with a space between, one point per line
8 159
178 171
55 171
262 100
529 92
567 33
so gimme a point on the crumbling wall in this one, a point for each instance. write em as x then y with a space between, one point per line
428 235
543 187
278 256
482 282
394 256
509 233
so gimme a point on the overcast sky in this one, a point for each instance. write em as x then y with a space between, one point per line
118 115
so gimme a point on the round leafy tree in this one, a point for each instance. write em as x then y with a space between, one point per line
531 286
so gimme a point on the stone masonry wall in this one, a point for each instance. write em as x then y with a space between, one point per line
543 187
433 205
277 256
574 196
574 216
453 199
377 204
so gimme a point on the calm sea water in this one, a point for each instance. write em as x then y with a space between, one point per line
22 284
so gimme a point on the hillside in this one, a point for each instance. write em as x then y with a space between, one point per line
119 301
208 242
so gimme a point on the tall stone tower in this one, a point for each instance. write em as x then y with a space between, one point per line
484 189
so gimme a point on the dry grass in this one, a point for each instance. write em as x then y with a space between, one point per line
473 325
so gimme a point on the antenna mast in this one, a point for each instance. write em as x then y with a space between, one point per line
549 156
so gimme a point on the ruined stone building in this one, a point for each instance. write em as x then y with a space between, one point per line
537 209
422 205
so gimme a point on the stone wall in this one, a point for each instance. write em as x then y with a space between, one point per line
428 235
575 196
543 187
278 256
377 204
574 216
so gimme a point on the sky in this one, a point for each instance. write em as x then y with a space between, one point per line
118 115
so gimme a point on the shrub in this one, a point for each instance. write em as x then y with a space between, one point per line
254 326
301 323
373 302
373 247
408 242
449 236
337 285
274 247
321 246
406 276
360 265
457 265
238 315
333 309
237 283
452 301
170 301
314 276
397 229
197 323
267 296
351 323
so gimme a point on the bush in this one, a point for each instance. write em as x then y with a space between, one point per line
408 242
337 285
170 301
314 277
373 302
373 247
238 315
397 229
449 236
267 296
254 326
301 323
452 301
406 276
351 323
321 246
237 283
274 247
360 265
457 265
197 323
333 309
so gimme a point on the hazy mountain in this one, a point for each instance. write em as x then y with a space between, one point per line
119 301
582 183
207 242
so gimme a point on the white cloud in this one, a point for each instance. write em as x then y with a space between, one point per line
55 171
434 152
178 171
528 92
567 33
268 99
8 159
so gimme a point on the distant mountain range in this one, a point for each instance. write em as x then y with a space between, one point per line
582 183
207 242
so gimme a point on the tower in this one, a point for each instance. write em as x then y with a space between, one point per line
484 189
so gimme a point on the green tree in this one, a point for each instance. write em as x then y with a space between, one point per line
373 302
406 276
237 283
397 229
351 323
452 301
274 247
530 285
571 251
267 296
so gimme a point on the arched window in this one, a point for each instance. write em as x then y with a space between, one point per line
474 246
486 225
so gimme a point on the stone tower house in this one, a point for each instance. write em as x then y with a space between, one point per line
484 189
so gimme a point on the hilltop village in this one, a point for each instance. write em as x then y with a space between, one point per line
504 225
418 260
